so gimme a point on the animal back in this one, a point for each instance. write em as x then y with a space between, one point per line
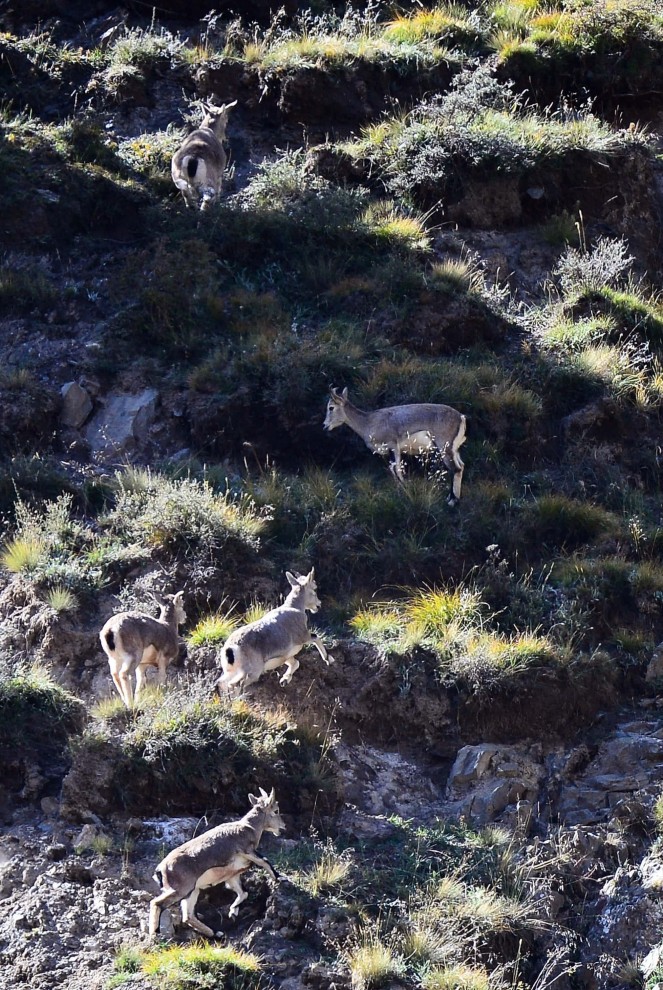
274 632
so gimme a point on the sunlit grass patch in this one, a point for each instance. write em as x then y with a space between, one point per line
433 616
108 709
569 334
329 871
192 967
483 658
372 961
23 554
423 944
433 610
388 221
61 599
450 23
457 274
456 977
213 629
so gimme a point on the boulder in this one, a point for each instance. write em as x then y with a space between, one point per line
123 421
655 666
76 405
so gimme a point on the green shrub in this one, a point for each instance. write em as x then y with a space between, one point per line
183 514
480 126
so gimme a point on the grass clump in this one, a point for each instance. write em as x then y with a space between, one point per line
555 520
331 871
212 629
37 717
372 962
23 555
458 977
456 627
424 617
190 967
450 24
61 599
184 751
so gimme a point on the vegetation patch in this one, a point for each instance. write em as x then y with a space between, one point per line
189 967
37 720
480 127
186 753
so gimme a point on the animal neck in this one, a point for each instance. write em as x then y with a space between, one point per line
296 598
255 820
218 128
168 616
357 419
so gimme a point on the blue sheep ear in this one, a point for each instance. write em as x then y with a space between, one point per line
253 800
344 393
292 580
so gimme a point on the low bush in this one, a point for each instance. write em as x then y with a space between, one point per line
481 126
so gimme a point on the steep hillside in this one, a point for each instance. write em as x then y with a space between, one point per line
457 205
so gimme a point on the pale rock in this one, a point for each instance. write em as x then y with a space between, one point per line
123 421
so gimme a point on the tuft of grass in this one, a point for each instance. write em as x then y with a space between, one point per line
387 221
212 629
108 709
372 962
193 967
61 599
23 554
329 871
457 977
446 22
431 616
455 274
561 521
99 845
